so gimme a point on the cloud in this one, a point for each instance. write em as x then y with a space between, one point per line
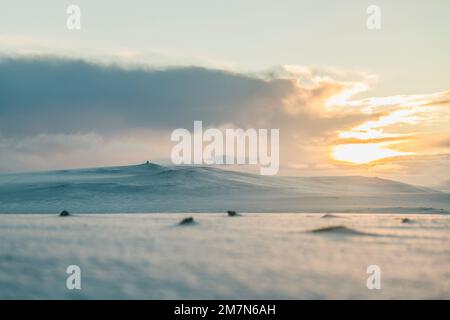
66 96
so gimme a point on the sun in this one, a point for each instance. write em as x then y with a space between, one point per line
361 153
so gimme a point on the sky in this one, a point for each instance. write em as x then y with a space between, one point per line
347 100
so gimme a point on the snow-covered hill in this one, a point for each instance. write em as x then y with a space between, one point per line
154 188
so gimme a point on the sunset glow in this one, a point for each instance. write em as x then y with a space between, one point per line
365 152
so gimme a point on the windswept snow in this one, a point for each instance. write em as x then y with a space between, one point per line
155 188
254 256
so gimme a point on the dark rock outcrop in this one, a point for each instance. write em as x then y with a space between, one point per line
187 221
232 213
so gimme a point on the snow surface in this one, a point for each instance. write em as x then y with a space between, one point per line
255 256
268 254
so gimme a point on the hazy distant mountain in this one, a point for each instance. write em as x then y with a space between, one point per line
155 188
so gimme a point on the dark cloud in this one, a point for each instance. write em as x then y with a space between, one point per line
55 95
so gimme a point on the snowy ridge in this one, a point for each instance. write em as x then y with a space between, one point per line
155 188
